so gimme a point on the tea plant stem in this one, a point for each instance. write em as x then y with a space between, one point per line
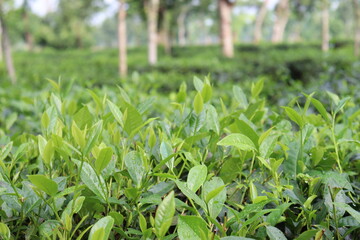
52 206
196 124
334 212
50 172
197 211
252 163
335 144
301 146
77 183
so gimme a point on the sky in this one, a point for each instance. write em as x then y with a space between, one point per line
41 7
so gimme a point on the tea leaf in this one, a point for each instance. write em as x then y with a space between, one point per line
239 141
294 116
133 120
196 177
319 106
198 84
116 113
93 181
192 227
103 159
135 166
189 194
206 92
341 104
309 234
4 231
164 215
198 103
48 228
93 137
215 195
240 97
355 214
274 233
101 229
45 184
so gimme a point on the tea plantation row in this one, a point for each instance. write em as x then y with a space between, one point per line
282 64
208 163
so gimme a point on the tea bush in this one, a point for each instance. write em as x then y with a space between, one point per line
283 63
130 163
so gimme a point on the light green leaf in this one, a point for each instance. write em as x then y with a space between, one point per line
321 109
93 181
101 229
198 84
48 152
78 135
135 166
142 223
116 113
341 104
11 120
206 92
248 131
308 201
72 208
96 99
4 231
190 194
212 119
45 184
257 87
5 152
83 118
165 151
274 233
196 177
192 227
48 228
240 97
103 159
164 215
132 119
294 116
198 103
239 141
274 217
93 137
235 238
41 144
215 195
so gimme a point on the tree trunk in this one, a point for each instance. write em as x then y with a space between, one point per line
1 49
122 39
164 33
152 20
325 26
296 33
356 5
225 12
282 18
259 21
25 16
181 21
5 44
